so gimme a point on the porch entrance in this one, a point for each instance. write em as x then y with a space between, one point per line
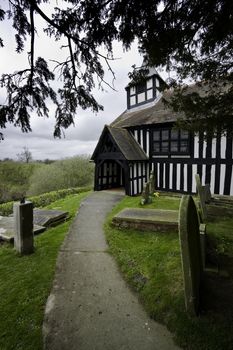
109 174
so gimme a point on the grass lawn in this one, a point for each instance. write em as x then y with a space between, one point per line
151 264
26 281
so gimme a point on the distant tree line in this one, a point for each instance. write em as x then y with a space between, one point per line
20 179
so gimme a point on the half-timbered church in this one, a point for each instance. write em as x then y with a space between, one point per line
143 139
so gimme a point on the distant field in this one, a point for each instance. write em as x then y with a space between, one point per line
19 179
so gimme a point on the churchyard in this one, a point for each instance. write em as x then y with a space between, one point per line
198 309
153 242
26 281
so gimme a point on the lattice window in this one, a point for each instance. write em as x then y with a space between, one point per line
170 141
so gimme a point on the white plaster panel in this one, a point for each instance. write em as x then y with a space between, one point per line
135 186
132 90
196 146
141 97
136 135
222 178
158 174
164 175
141 137
132 100
185 177
140 186
178 177
203 174
223 147
194 172
140 169
149 94
170 175
213 152
147 143
204 149
212 178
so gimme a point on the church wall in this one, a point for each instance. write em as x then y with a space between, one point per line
211 158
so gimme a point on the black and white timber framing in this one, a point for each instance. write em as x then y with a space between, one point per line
143 139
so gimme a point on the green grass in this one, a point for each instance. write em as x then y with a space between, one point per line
151 264
26 281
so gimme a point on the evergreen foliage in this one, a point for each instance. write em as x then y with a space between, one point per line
192 37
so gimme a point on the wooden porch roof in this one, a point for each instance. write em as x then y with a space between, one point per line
126 145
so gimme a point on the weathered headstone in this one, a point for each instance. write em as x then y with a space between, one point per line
208 196
148 190
146 197
190 253
23 217
152 183
202 197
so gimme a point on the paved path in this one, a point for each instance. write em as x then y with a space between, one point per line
90 306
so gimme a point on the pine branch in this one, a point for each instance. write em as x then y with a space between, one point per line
32 45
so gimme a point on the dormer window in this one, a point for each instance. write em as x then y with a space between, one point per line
142 92
141 88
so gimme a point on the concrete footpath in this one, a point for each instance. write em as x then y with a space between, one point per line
90 306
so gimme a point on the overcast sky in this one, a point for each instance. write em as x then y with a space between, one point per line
83 137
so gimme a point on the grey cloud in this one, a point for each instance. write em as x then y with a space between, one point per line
83 137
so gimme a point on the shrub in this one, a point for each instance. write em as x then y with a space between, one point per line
14 179
73 172
44 199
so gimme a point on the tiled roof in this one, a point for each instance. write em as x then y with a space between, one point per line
161 113
125 142
158 113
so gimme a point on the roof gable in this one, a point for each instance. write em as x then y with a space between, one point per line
120 142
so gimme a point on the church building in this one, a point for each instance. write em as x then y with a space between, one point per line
142 139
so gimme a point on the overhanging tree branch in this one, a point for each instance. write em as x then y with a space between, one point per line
32 45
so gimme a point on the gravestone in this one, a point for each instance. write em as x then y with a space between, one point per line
23 218
202 193
190 253
148 190
152 183
146 197
208 196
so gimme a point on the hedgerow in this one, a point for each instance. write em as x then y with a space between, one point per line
43 199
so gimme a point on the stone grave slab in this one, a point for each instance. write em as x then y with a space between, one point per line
190 254
7 228
147 219
47 218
